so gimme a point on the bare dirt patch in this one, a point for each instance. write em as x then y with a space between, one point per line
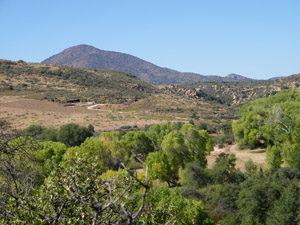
258 156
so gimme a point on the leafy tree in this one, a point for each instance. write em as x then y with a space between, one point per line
73 135
161 168
90 149
273 157
138 143
51 154
169 207
20 171
256 199
41 133
224 170
221 200
157 132
198 143
80 193
251 169
194 176
175 148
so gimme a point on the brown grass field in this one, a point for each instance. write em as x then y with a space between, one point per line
22 112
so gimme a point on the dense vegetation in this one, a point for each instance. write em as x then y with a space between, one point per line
272 123
44 182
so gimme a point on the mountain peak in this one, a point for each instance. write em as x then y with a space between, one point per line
86 56
237 77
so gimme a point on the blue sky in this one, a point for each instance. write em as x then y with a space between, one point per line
255 38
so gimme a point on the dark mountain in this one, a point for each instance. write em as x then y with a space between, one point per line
86 56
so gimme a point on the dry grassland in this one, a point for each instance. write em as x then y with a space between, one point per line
22 112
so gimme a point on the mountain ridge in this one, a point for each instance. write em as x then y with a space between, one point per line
86 56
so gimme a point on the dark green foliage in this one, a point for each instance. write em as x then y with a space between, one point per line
224 170
73 135
194 176
138 143
256 199
273 157
251 168
42 133
220 200
70 134
286 209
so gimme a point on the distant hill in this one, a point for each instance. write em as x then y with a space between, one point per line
62 83
86 56
234 93
236 77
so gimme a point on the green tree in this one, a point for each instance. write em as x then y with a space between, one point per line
220 200
161 168
73 135
175 148
90 149
138 143
273 123
41 133
157 132
273 158
194 176
224 170
286 208
51 154
198 143
256 199
169 207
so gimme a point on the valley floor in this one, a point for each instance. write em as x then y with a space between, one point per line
22 112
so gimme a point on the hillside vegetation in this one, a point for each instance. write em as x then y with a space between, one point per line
57 83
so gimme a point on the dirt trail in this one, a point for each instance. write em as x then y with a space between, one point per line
257 156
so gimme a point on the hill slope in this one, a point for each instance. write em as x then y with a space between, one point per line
86 56
61 82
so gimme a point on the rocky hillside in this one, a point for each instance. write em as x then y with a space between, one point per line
234 93
86 56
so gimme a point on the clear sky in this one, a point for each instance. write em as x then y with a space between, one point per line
255 38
